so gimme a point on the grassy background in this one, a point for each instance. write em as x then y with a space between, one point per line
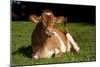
84 35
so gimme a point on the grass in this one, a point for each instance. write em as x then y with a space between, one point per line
84 35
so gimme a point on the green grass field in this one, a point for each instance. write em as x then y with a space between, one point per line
84 35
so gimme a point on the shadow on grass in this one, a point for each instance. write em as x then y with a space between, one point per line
26 51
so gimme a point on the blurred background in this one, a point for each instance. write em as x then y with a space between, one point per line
20 11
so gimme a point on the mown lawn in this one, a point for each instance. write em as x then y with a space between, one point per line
84 35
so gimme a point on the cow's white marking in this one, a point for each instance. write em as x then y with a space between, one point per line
56 51
50 53
74 44
63 47
36 57
68 47
48 13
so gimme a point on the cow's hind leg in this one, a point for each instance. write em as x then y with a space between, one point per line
68 47
73 43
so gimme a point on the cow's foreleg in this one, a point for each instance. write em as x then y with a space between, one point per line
73 43
35 56
57 52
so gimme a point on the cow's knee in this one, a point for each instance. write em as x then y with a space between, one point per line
73 43
58 52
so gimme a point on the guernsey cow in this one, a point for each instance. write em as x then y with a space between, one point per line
48 41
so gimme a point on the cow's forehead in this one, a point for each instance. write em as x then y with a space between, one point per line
47 16
47 12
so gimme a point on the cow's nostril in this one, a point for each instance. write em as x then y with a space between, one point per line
47 30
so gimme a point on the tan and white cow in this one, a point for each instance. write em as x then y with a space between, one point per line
48 41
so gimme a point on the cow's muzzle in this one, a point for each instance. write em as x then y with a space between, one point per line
49 32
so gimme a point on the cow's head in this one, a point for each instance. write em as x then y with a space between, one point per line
48 19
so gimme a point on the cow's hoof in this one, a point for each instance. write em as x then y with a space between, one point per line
68 50
35 57
77 50
58 55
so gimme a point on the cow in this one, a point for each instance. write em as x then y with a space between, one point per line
46 40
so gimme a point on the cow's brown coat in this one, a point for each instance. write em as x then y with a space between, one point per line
42 43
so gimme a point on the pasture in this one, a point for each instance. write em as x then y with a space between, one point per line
84 35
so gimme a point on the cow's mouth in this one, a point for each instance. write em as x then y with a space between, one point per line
49 34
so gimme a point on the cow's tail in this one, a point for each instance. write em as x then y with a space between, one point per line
65 24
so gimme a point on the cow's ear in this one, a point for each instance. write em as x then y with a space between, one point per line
60 19
34 18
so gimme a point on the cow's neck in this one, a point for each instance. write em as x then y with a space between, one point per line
40 33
